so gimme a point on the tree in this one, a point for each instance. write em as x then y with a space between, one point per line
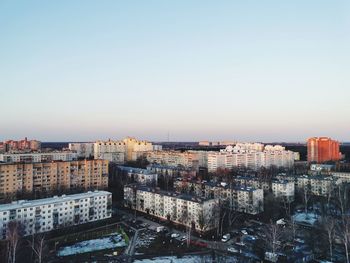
344 233
329 226
38 246
13 236
274 234
306 198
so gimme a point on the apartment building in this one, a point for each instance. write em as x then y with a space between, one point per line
37 157
139 175
42 215
322 149
172 171
51 176
252 182
113 151
21 145
341 177
198 213
317 185
252 156
283 189
83 149
173 158
128 149
241 198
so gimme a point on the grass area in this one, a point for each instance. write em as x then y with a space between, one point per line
124 235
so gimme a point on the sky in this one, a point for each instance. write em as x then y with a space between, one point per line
196 70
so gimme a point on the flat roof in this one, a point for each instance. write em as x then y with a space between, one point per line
192 198
51 200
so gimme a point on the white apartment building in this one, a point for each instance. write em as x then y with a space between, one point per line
251 156
128 149
83 149
198 213
42 215
283 189
113 151
38 157
316 185
139 175
241 198
341 177
172 171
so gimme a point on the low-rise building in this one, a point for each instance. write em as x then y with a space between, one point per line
283 189
42 215
139 175
198 213
172 171
241 198
316 184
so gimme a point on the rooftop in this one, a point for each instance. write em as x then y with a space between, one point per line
51 200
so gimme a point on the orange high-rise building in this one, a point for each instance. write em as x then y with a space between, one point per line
322 149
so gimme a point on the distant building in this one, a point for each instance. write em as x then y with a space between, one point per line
37 157
253 156
129 149
322 149
83 149
42 215
198 213
222 143
173 158
22 145
139 175
172 171
113 151
52 176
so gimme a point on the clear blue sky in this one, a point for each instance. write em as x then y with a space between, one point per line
245 70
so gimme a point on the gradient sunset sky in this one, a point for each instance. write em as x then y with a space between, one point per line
216 70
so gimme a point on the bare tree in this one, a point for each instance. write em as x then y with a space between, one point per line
13 237
274 234
38 246
306 198
344 233
329 226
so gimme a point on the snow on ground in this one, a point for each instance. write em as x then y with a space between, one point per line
112 241
309 218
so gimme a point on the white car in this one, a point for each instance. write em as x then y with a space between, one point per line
244 232
232 250
175 235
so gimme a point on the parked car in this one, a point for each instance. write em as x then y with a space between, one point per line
232 250
225 237
244 232
174 235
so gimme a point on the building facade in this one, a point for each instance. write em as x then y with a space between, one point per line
37 157
22 145
322 149
139 175
198 213
52 176
83 149
174 158
240 198
42 215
